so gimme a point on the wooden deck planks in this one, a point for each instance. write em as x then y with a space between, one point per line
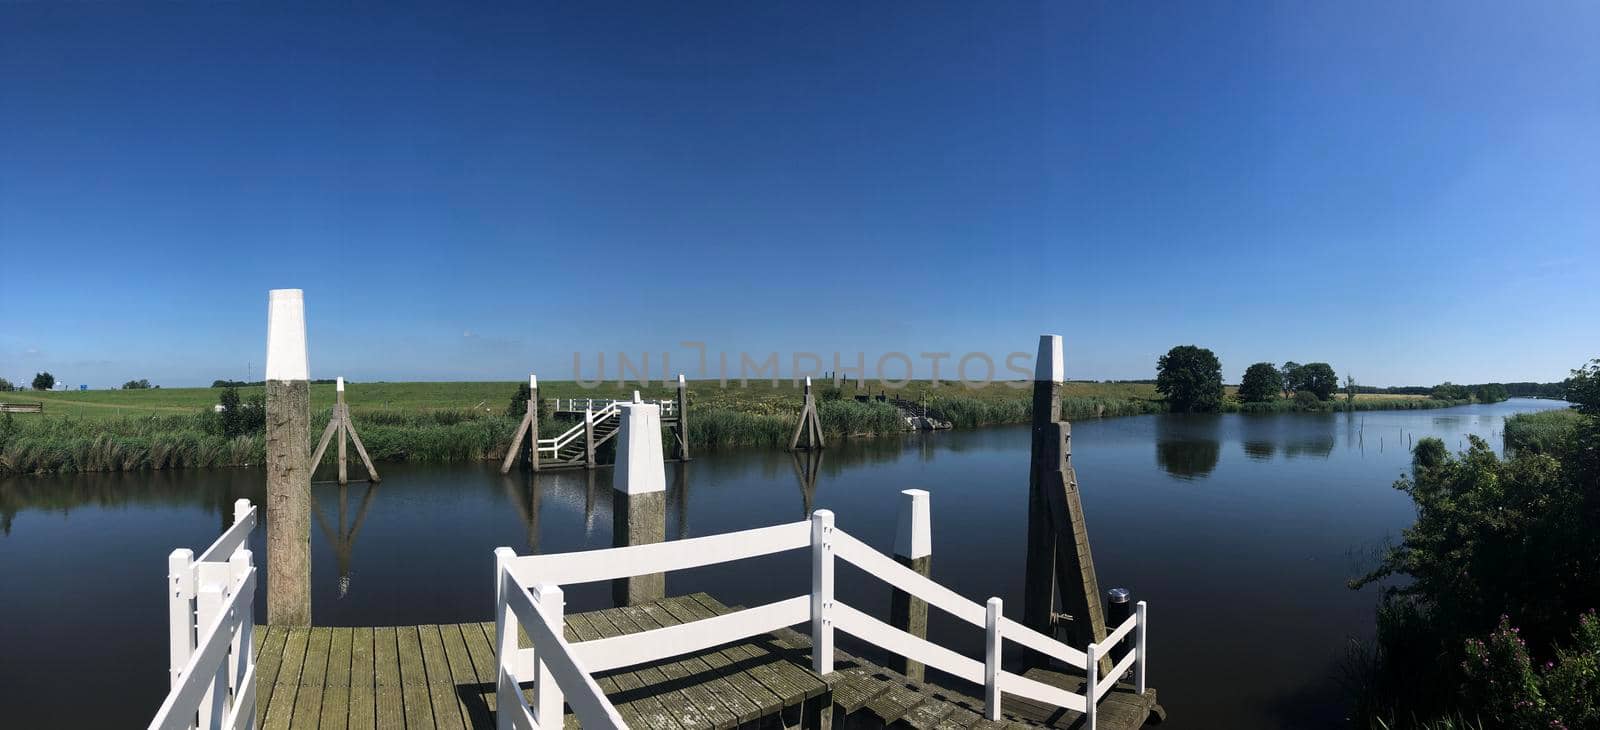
362 679
287 683
447 713
312 687
336 695
388 698
413 678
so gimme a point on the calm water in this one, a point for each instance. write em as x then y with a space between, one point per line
1239 530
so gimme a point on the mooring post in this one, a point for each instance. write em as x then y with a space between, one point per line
344 429
822 591
1119 606
1039 574
913 548
533 421
288 473
639 497
683 419
588 437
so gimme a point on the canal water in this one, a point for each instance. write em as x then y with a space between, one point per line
1240 531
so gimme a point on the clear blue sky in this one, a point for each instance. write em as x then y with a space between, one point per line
1409 191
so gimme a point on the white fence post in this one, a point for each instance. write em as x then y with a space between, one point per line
546 693
180 610
242 657
1090 700
822 591
991 659
505 632
214 588
1139 646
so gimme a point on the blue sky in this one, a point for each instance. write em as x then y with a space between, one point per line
1409 191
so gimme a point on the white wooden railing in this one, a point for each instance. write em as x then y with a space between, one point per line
211 617
553 444
669 406
530 595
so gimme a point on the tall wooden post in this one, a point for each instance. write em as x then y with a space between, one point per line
288 470
1058 537
683 419
913 548
338 407
809 424
588 437
639 497
340 426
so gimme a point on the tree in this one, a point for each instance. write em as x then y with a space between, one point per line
1307 399
1191 379
44 381
1291 378
140 384
1262 382
1318 377
1349 392
5 386
1450 391
1490 393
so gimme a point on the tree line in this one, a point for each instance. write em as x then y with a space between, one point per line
1190 377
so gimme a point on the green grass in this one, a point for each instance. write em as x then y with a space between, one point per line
1542 432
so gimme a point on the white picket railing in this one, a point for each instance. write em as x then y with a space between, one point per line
530 595
553 444
211 617
669 406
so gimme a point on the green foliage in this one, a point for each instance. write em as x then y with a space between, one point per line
1498 543
44 381
1262 382
140 384
1500 677
6 386
1319 378
1307 400
1543 432
1191 379
1291 377
1450 391
241 418
518 407
1490 393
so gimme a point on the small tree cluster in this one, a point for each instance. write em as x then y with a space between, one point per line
1262 382
140 384
44 381
1191 379
239 417
1317 378
6 386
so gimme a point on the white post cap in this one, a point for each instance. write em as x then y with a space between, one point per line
913 538
636 397
1050 367
640 468
808 381
286 335
680 379
533 381
338 383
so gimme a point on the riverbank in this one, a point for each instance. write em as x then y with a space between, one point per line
134 430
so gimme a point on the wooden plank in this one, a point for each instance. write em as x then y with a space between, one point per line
479 639
640 708
771 667
313 678
730 659
687 709
362 678
388 699
463 677
268 659
413 678
336 698
441 688
731 707
287 685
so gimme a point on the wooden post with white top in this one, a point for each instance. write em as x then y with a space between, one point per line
527 429
288 470
913 548
639 497
809 424
341 426
681 420
1059 562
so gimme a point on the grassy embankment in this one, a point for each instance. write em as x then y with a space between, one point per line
1544 432
127 430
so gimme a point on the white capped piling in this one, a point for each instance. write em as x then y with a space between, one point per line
913 548
639 497
288 463
683 419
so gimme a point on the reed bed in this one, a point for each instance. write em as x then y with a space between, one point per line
1543 432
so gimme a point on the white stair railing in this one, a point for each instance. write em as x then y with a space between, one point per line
553 444
211 618
527 582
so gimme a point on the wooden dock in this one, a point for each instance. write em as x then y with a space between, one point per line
443 676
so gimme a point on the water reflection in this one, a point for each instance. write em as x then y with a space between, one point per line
1187 446
807 464
340 537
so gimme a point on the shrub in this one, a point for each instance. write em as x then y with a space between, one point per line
44 381
1307 399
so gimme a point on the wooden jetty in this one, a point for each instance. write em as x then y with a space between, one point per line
675 663
597 421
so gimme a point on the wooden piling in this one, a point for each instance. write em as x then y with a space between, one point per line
639 497
527 428
809 423
913 548
341 427
288 472
683 419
